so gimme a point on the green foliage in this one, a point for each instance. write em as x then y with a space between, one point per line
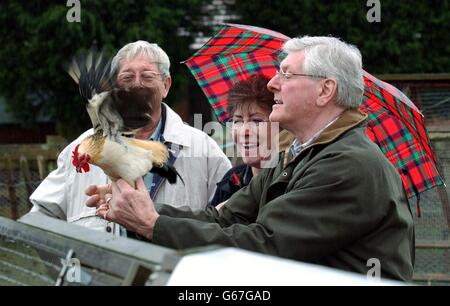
37 42
412 37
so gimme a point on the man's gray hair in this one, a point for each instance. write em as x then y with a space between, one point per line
141 47
333 58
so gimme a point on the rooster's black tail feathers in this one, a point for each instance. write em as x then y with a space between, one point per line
92 72
169 172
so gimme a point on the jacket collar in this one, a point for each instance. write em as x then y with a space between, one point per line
175 130
349 119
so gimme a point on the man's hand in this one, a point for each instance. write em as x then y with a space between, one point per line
98 194
121 203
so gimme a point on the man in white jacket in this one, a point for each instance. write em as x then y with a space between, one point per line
197 158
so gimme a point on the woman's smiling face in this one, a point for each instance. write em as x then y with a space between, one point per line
252 132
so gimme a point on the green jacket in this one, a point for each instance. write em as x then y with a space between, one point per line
338 203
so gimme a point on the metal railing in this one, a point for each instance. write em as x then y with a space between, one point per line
44 251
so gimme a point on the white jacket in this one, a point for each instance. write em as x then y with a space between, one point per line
200 162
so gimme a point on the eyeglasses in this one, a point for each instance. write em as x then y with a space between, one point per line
287 75
146 77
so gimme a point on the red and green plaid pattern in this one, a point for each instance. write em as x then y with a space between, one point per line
395 124
234 54
397 127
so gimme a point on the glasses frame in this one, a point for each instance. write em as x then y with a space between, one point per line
287 75
143 79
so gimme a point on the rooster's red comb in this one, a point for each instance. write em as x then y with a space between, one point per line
81 163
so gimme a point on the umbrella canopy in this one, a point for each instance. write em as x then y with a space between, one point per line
395 124
235 53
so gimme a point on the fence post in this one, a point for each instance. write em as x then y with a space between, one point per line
11 188
445 204
41 166
25 169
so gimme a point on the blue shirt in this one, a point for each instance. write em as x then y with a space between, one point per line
156 136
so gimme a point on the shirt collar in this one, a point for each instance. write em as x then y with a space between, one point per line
157 132
349 119
297 146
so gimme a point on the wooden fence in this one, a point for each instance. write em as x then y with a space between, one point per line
22 168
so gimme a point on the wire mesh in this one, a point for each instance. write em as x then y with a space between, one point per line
432 97
15 191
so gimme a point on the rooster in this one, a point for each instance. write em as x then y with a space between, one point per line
116 114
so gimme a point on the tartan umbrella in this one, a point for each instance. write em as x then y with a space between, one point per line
395 124
234 54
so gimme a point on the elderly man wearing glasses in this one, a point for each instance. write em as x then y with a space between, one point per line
333 199
197 158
